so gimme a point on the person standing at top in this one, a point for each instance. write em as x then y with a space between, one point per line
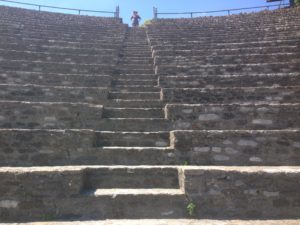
135 18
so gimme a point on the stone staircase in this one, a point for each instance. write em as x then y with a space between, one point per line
148 123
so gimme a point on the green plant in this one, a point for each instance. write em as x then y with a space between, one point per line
48 217
191 207
185 162
297 2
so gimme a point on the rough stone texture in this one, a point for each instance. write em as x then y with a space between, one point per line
249 192
39 93
233 116
256 80
171 222
55 79
82 147
58 59
47 115
231 94
240 148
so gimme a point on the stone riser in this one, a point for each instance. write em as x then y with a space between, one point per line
55 79
244 59
225 51
75 43
104 207
83 147
134 95
242 69
222 39
48 67
198 45
272 192
49 115
35 93
232 95
134 125
229 81
48 57
64 34
53 49
66 116
232 117
121 103
132 88
125 139
238 147
151 82
133 113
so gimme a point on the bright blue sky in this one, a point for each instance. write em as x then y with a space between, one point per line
145 6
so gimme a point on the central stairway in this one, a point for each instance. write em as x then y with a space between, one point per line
136 130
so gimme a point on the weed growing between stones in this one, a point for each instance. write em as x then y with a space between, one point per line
186 163
48 217
191 207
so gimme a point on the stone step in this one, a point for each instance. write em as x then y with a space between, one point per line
133 113
126 178
49 67
61 58
136 71
134 124
226 59
121 103
287 94
137 60
200 45
130 66
238 147
149 82
137 76
134 95
133 139
33 147
55 79
40 93
49 115
233 116
139 88
230 80
212 51
273 192
242 69
56 49
171 222
125 203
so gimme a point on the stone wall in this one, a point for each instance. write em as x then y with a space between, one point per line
231 95
250 193
238 147
233 116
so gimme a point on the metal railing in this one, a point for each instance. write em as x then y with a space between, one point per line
227 11
115 14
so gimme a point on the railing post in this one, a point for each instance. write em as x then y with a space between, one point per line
154 12
39 8
117 14
228 12
79 12
191 15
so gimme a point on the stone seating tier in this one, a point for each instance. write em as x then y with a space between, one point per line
101 121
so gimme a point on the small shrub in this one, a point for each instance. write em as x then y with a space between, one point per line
297 2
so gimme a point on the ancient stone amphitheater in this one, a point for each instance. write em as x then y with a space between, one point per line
186 118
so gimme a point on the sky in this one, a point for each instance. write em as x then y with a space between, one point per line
145 7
